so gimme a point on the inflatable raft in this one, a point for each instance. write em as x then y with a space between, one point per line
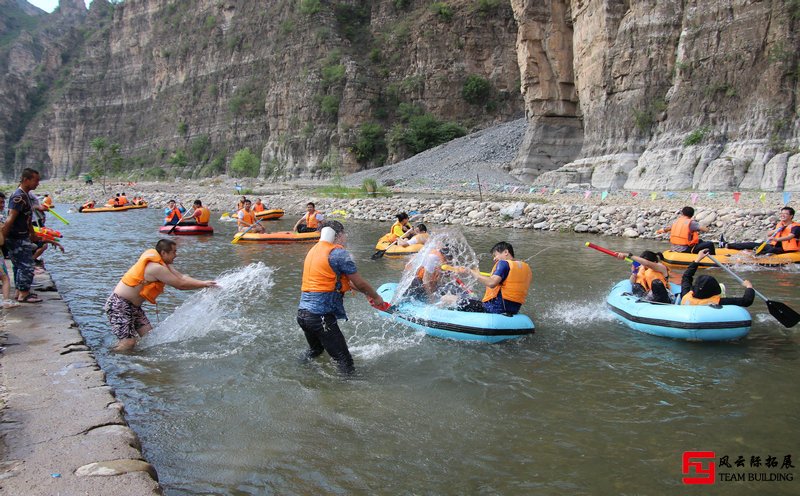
728 257
281 237
453 324
186 230
111 209
396 250
689 322
273 214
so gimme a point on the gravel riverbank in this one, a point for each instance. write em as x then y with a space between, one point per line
620 213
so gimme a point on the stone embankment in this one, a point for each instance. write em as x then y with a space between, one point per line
618 214
61 429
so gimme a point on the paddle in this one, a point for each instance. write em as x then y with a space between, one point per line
762 245
606 251
180 218
378 254
239 235
781 312
62 219
451 268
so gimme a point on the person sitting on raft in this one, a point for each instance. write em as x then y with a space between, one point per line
311 221
649 277
400 227
431 284
684 234
88 204
420 236
240 204
258 206
123 200
145 280
707 291
173 213
506 287
199 216
247 219
785 239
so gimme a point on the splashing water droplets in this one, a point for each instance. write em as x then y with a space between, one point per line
216 310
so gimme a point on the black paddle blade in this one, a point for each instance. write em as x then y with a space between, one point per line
784 314
378 254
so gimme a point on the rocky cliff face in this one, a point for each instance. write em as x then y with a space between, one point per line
672 94
183 85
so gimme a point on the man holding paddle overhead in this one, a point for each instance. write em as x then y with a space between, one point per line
328 273
145 280
785 238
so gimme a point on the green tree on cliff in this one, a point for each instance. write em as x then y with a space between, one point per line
106 158
245 164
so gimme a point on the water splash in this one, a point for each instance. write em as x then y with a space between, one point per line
577 313
217 311
459 253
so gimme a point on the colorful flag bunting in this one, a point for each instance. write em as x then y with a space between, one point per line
787 197
694 198
736 196
653 195
763 197
587 194
603 195
634 193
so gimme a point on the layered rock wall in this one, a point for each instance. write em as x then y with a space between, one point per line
682 95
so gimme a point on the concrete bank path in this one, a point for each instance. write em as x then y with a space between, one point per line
62 431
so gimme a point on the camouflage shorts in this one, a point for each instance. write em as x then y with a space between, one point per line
20 251
125 317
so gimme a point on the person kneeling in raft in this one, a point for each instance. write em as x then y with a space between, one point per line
145 281
328 273
506 287
649 277
707 291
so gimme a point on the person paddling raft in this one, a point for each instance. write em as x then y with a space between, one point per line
144 281
88 204
785 237
328 273
247 219
172 214
199 215
400 227
310 222
706 290
506 287
684 234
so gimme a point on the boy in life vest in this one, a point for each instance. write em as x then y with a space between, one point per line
684 234
419 238
247 219
173 213
784 239
88 204
649 277
145 280
258 206
328 273
199 216
707 291
507 285
310 222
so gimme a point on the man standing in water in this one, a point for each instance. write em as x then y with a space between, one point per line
329 272
145 281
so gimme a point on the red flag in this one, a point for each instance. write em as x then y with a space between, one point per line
736 196
634 193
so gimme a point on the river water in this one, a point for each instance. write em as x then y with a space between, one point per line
223 405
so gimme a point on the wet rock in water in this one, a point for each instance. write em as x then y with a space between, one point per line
116 467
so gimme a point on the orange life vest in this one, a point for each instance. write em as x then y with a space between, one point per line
112 201
679 233
89 204
48 202
123 200
175 214
647 276
437 273
311 220
515 287
135 276
689 299
247 217
791 244
258 207
318 276
204 217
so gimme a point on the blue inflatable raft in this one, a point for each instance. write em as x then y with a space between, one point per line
453 324
689 322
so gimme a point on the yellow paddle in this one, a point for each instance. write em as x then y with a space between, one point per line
450 268
62 219
762 245
238 236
